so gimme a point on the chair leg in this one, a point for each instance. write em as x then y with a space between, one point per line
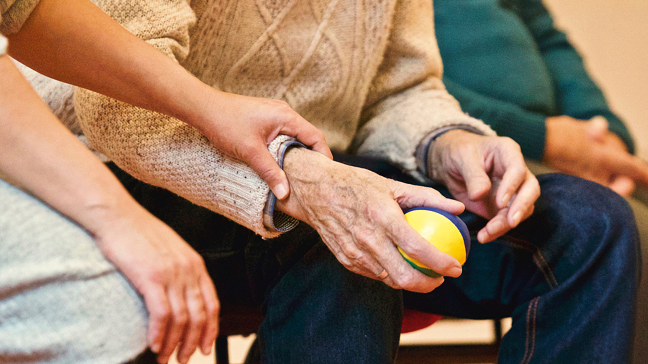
498 332
222 350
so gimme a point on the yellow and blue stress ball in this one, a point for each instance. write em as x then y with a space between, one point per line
443 230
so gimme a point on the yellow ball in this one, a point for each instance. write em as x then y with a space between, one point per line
443 230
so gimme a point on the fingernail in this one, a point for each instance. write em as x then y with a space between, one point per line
517 217
481 236
455 271
280 191
505 199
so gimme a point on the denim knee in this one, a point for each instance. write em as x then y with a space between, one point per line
590 232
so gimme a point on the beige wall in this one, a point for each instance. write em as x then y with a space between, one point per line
612 35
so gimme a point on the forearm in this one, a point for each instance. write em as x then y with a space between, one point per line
578 96
77 43
399 124
507 119
45 159
165 152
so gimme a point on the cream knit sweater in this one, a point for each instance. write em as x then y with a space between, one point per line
367 73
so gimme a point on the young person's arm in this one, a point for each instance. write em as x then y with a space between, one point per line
75 42
46 160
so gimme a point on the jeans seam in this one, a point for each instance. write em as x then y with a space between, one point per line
538 259
531 331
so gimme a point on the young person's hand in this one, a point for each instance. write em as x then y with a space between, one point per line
243 126
170 275
489 176
41 156
100 55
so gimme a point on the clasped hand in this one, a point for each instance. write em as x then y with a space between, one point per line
587 149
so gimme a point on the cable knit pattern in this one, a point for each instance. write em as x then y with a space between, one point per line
366 72
14 14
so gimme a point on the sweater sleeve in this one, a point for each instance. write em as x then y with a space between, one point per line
161 150
14 14
407 99
506 118
577 94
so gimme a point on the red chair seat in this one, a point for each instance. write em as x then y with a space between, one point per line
416 320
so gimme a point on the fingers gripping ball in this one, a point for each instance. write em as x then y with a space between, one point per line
443 230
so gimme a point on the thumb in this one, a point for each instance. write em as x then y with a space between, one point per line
597 128
267 168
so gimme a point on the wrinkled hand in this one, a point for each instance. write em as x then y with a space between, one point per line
588 150
359 216
243 126
489 176
169 274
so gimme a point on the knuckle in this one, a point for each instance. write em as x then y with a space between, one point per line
197 261
363 260
183 264
248 149
161 272
181 318
413 250
161 315
213 310
346 263
199 319
351 253
510 143
402 280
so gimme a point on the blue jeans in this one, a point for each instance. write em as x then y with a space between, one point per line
567 276
316 311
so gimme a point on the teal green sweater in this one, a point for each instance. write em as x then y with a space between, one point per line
506 64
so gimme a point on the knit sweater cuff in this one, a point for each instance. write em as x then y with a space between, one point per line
423 149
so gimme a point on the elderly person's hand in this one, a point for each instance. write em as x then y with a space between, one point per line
359 216
488 175
587 149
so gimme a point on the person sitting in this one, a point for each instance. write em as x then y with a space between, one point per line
86 274
333 289
508 65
